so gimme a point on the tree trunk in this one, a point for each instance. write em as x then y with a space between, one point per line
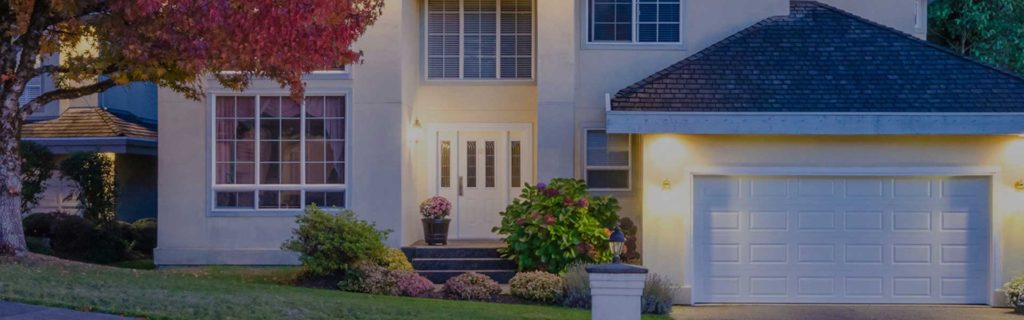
12 236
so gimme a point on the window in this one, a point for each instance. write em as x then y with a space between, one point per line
607 160
274 153
634 21
33 88
479 39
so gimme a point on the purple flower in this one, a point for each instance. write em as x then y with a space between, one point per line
541 186
551 192
582 203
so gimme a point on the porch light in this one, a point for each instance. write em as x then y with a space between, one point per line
616 242
666 185
416 131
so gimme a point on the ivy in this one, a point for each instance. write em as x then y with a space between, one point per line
93 173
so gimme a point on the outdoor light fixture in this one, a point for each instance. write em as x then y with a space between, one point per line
416 131
616 242
1019 185
666 185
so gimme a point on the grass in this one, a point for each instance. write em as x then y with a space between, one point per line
143 264
226 293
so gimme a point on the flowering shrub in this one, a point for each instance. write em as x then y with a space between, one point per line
471 286
657 296
412 284
576 285
437 207
552 225
1015 293
369 278
393 259
537 286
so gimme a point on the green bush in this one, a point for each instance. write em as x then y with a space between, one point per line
93 173
393 259
79 239
1014 291
144 237
39 245
576 290
40 224
537 286
36 167
368 277
329 244
657 296
551 226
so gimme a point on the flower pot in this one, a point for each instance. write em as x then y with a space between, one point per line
435 231
1019 309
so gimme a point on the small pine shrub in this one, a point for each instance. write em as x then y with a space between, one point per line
537 286
576 282
657 296
76 238
393 259
411 284
331 243
144 235
472 286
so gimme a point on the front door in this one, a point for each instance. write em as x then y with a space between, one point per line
480 171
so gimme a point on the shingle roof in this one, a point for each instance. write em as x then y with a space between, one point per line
87 122
822 59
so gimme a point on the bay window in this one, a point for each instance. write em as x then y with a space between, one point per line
273 153
479 39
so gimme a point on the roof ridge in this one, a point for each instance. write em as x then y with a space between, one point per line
910 36
107 120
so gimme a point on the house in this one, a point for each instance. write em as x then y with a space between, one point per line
772 151
120 123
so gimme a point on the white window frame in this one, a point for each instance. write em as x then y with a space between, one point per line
214 187
628 167
462 52
634 23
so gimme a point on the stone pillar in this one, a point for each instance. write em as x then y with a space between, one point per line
616 290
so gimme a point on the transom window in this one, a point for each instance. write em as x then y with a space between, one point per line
272 152
607 160
634 21
479 39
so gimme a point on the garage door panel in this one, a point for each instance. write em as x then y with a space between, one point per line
841 239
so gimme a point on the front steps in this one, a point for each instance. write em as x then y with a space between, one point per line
439 263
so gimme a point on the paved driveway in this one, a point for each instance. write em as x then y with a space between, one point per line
842 312
18 311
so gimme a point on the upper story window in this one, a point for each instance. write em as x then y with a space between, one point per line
33 88
479 39
607 160
274 153
634 21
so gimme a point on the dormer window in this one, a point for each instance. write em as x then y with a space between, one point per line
634 21
479 39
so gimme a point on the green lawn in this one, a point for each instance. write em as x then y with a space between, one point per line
226 293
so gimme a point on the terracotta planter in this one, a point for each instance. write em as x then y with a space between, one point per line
435 231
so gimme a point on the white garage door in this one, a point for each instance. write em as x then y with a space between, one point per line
841 239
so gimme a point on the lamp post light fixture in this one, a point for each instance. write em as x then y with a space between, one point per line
617 242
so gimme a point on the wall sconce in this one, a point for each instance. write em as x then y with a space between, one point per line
416 131
1019 185
666 185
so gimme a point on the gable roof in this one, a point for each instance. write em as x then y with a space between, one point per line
823 59
92 122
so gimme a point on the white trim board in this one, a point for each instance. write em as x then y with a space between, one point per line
815 123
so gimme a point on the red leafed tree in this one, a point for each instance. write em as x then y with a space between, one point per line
173 43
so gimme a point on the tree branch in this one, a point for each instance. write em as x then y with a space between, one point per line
70 93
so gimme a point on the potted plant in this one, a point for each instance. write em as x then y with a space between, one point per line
435 220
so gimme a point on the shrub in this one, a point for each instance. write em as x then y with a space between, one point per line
76 238
144 236
657 296
472 286
550 226
39 245
412 284
1014 291
576 282
329 243
393 259
367 277
36 167
40 224
537 286
93 173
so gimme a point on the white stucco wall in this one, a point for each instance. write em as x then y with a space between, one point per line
667 214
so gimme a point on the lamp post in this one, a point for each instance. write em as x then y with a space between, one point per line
616 242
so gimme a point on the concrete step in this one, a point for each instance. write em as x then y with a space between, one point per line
449 252
439 277
427 264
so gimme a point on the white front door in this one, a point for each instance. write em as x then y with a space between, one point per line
480 171
921 240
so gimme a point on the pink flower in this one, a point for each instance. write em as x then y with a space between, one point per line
437 207
568 203
549 219
583 203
